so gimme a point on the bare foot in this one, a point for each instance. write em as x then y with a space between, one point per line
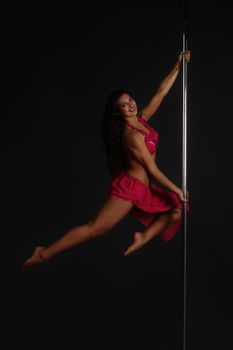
138 242
36 258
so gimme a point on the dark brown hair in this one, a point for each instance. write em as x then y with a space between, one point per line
111 130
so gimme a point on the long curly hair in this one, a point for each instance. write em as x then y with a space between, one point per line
111 132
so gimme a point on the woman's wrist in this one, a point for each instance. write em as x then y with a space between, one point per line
178 64
178 190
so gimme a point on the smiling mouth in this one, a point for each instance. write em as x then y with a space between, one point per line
133 109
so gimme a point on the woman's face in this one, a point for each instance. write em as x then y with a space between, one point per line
127 105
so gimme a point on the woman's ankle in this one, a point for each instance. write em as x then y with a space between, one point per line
44 254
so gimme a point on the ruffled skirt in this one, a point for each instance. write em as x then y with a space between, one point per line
148 201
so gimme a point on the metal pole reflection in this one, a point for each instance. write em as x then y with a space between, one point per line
184 165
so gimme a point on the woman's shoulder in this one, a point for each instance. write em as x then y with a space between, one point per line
129 134
127 130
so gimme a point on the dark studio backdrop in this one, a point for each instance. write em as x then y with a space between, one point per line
59 65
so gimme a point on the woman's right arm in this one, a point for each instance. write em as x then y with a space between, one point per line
136 145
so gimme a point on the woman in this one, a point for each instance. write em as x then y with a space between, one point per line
130 144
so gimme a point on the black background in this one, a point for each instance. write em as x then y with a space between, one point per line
59 63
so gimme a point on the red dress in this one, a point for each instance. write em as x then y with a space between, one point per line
149 201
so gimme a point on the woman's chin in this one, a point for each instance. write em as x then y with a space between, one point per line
133 114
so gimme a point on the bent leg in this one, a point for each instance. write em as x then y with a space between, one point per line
161 223
158 225
112 212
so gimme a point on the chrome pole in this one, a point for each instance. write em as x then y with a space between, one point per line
184 168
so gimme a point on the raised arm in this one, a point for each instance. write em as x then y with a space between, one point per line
137 147
163 88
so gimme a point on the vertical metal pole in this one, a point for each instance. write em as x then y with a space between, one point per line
184 167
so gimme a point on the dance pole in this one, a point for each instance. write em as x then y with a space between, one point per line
184 163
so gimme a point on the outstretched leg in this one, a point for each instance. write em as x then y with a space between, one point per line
112 212
161 223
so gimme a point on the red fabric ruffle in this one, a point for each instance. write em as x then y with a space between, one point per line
149 201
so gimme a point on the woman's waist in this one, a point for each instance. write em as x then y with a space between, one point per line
140 173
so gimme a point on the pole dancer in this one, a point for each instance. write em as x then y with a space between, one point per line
130 144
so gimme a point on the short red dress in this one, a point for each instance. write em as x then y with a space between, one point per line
148 201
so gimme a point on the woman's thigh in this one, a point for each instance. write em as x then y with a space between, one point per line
112 212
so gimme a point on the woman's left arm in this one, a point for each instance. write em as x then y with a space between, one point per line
164 87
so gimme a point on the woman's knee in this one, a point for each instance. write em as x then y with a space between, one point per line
176 214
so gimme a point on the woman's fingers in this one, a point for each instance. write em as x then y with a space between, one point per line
187 55
183 197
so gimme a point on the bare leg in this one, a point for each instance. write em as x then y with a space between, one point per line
112 212
161 223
